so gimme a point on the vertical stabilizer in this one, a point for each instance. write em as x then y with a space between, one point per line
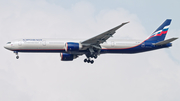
160 33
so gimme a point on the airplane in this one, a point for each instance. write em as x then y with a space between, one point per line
93 47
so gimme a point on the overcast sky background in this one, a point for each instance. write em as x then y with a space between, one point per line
149 76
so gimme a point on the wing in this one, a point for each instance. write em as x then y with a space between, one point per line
101 38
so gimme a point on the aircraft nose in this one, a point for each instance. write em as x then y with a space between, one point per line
7 47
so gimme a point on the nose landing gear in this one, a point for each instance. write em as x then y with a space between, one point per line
17 56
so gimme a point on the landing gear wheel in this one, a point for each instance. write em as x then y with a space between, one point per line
95 57
85 60
88 61
92 61
17 57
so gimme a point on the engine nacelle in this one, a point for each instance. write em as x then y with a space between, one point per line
67 57
72 46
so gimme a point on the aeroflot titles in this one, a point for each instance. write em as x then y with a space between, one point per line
32 39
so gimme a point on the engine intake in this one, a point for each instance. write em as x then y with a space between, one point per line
72 46
67 57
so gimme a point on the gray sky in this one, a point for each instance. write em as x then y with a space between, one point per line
146 76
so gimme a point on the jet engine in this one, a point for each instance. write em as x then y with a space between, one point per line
72 46
67 57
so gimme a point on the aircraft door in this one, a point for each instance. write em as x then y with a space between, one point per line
44 43
20 43
112 44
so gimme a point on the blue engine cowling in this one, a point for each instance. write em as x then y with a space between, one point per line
67 57
72 46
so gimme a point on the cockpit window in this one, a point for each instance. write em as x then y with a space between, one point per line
8 42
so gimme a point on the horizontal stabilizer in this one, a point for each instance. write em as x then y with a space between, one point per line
165 41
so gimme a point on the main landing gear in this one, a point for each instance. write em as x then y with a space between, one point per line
17 56
93 52
89 61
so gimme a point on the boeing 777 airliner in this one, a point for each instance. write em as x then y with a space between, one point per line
94 46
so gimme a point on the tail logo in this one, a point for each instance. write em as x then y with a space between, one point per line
160 32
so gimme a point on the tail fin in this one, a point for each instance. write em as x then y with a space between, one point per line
160 33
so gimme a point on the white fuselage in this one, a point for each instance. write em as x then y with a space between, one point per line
59 44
